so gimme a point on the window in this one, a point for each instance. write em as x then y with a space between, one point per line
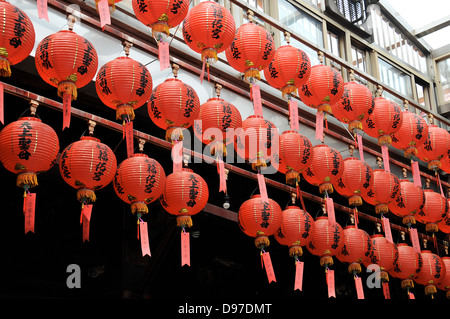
359 58
333 43
395 78
255 5
444 79
302 24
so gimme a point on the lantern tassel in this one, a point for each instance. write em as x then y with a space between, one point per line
296 250
125 110
292 177
174 134
384 140
355 125
5 68
261 240
86 195
184 221
67 87
139 207
326 187
354 268
355 200
27 178
252 73
381 208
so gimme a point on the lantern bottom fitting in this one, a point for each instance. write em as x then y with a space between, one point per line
210 55
28 179
410 151
431 227
262 241
385 139
355 126
174 134
292 177
68 87
355 200
354 268
326 187
218 148
85 195
434 164
184 221
160 27
258 164
125 110
139 207
325 107
295 250
381 208
251 73
384 276
407 283
409 220
430 289
5 68
288 89
326 260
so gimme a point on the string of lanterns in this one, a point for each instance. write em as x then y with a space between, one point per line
29 147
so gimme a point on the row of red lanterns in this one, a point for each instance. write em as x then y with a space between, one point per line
314 91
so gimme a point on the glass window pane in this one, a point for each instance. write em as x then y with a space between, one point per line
444 77
395 78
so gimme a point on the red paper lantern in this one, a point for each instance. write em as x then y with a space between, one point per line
324 88
385 120
385 189
444 224
435 146
173 106
409 264
160 15
295 155
432 272
327 240
87 165
260 219
412 134
435 209
326 168
209 29
251 51
185 194
409 201
355 105
257 140
444 283
289 69
356 248
218 120
28 147
357 178
18 37
139 181
124 85
62 66
384 254
297 229
445 162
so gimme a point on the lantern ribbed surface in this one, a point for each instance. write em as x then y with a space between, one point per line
434 147
356 248
385 120
324 88
412 133
432 272
139 180
173 104
87 165
356 104
297 229
408 202
251 51
28 147
445 162
384 190
409 264
160 15
326 168
435 209
18 37
209 29
217 115
257 140
124 85
260 219
444 283
185 194
296 154
327 240
67 61
444 224
289 69
356 178
383 253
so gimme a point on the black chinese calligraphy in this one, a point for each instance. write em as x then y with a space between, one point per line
25 140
